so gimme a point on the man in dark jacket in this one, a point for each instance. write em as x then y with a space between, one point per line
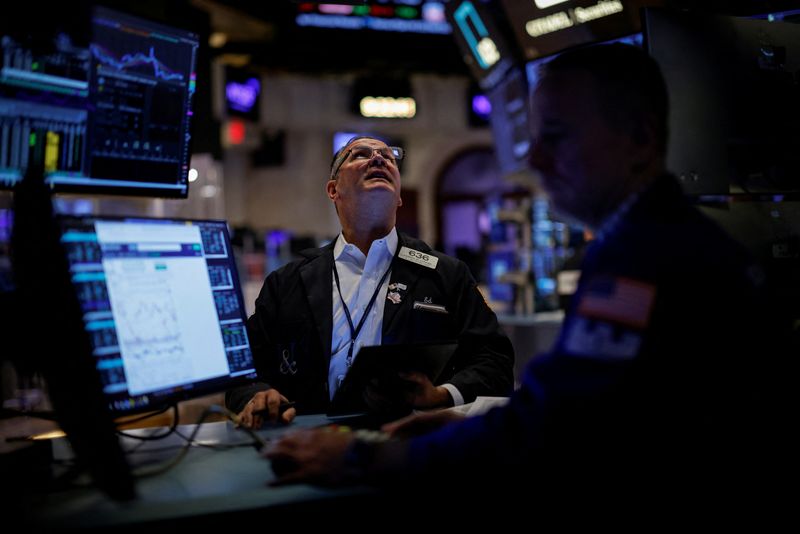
371 286
660 370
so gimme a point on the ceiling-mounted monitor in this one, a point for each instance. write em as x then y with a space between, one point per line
545 27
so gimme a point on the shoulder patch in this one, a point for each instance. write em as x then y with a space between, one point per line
420 258
618 300
600 341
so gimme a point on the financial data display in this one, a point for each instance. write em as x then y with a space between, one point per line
110 116
162 304
412 16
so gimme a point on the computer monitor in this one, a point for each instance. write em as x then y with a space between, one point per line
734 99
509 120
101 101
163 307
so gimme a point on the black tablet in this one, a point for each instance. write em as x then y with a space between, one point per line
381 365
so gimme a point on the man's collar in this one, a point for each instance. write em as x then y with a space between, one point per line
390 241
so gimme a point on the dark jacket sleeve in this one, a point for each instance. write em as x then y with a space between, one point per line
237 398
484 361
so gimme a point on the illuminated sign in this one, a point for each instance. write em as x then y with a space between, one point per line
414 16
544 4
566 19
482 46
242 93
236 131
481 106
388 107
242 96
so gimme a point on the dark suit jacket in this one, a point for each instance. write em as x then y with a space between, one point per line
290 331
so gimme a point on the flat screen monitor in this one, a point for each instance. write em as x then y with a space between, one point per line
509 121
101 101
734 99
162 305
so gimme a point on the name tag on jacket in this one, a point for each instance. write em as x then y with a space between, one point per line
420 258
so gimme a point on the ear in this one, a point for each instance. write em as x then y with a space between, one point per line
330 188
399 201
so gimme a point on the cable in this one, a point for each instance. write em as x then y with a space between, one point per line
258 442
169 431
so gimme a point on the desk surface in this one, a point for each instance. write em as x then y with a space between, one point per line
207 482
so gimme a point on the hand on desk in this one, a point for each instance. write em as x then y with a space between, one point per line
268 403
311 455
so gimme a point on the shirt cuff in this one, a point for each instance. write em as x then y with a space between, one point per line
458 400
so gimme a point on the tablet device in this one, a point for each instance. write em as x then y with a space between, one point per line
382 365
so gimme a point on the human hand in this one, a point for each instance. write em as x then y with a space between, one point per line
265 403
421 393
420 423
310 455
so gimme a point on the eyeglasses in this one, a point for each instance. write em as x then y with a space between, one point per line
392 154
389 153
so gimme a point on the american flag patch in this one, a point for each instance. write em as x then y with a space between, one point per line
619 300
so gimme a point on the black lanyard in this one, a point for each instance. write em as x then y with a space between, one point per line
355 331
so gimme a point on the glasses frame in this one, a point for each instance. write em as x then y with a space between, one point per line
398 153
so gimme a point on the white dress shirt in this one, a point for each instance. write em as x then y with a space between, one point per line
359 276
